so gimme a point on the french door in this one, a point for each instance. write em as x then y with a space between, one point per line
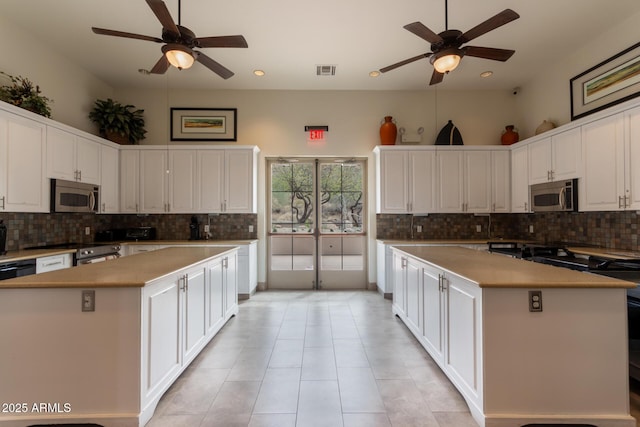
317 236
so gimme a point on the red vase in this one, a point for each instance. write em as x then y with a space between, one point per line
388 131
509 136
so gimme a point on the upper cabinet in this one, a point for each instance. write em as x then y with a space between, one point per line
520 179
72 157
555 158
23 186
406 181
109 179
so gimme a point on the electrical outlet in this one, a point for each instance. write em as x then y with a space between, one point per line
87 231
535 301
88 300
531 229
419 228
206 228
251 229
478 228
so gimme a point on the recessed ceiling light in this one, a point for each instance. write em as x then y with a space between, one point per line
486 74
374 73
258 73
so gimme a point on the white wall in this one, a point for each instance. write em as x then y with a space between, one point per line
548 96
72 89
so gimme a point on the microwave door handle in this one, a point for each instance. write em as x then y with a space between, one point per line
92 200
563 194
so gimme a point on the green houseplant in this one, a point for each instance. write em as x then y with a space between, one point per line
117 122
24 94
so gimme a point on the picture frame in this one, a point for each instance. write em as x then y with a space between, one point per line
204 124
614 80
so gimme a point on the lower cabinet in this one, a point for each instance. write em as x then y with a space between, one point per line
443 311
180 315
53 263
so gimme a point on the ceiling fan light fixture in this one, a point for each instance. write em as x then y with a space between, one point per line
446 60
178 55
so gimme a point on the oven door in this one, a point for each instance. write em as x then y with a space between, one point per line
101 258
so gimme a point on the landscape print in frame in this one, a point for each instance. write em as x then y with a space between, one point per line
203 124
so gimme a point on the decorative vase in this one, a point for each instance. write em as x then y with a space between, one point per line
117 138
509 136
449 135
388 131
545 126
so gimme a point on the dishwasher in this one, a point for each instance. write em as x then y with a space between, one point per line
9 270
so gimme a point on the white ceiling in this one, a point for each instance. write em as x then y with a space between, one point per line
288 38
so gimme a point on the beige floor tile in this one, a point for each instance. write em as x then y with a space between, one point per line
272 420
366 420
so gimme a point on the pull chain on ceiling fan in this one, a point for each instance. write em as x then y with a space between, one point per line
446 51
180 42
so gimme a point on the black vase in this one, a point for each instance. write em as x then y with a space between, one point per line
449 135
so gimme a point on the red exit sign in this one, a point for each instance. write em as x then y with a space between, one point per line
316 135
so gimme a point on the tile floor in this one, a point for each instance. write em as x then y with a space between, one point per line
315 359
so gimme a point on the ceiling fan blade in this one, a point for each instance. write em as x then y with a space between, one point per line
436 78
423 32
106 32
161 66
222 41
489 53
213 65
496 21
159 9
405 62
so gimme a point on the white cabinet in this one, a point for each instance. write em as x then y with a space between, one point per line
109 179
406 181
53 263
209 185
183 176
240 181
433 306
195 308
632 165
520 179
23 186
413 287
129 181
72 157
399 284
603 147
555 158
464 181
501 181
154 181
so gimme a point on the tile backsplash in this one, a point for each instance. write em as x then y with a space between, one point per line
31 229
618 230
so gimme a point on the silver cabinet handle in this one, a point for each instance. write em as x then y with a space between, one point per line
620 199
627 202
79 175
104 207
526 205
403 263
49 264
3 202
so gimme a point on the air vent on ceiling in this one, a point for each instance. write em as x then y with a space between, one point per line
326 70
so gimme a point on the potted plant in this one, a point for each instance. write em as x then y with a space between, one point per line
117 122
24 94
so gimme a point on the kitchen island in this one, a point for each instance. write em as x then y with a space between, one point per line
522 342
101 343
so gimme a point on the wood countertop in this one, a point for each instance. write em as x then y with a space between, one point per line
498 271
23 254
133 271
201 242
605 253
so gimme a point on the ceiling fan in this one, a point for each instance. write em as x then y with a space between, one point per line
179 43
446 47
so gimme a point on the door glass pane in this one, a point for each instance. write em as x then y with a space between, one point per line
292 198
291 253
341 198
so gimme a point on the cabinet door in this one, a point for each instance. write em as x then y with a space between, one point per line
23 186
540 161
195 302
109 179
239 182
231 284
153 181
61 154
566 155
88 160
210 182
604 169
414 294
182 181
477 181
129 181
422 181
161 352
450 181
399 283
215 316
500 181
520 180
632 189
393 182
432 307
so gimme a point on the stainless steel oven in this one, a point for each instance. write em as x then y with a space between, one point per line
555 196
69 196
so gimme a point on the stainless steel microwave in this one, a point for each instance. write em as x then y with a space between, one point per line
559 196
70 196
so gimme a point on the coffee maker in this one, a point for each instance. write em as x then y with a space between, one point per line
3 238
194 229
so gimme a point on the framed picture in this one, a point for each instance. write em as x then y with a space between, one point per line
203 124
612 81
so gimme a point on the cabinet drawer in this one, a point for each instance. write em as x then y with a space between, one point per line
52 263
